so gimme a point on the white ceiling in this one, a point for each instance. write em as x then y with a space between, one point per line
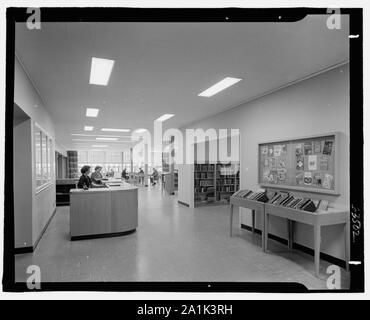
161 67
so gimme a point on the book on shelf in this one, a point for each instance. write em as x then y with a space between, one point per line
309 206
286 201
323 205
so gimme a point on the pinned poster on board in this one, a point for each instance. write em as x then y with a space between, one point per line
308 163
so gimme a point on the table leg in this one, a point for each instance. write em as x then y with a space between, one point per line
266 230
263 229
253 221
347 233
231 219
317 240
290 234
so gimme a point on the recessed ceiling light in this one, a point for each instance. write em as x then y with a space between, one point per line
98 135
219 86
92 112
88 128
115 130
99 146
100 71
140 130
106 139
165 117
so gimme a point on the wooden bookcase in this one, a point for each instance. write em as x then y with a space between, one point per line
175 180
214 183
72 164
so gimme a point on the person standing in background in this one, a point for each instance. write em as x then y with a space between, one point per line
124 174
141 175
154 177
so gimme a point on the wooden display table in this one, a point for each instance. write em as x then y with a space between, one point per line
255 206
317 220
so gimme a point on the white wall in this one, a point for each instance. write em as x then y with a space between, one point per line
186 184
314 106
27 98
22 179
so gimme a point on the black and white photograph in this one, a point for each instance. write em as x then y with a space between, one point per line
154 149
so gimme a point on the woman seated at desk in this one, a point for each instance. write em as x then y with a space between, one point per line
96 176
85 181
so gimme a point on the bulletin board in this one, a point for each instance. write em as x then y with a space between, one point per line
302 164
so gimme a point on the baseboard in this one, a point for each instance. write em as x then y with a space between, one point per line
23 250
103 235
323 256
183 203
44 229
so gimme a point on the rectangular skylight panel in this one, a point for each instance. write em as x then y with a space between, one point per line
92 112
100 71
115 130
219 86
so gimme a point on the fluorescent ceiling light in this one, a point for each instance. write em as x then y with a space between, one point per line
103 139
165 117
88 128
115 130
92 112
106 139
219 86
100 71
98 135
99 146
140 130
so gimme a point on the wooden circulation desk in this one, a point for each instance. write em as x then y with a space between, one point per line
101 212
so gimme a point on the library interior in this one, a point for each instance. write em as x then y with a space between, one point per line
214 152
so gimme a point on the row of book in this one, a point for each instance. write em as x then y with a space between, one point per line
284 199
203 175
226 189
210 175
206 182
204 167
225 182
227 170
204 189
259 196
212 189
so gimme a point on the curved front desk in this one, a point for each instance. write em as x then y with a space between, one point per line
102 212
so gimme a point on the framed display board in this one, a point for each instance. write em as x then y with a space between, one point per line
302 164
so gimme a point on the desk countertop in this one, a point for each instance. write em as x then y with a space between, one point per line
123 187
66 181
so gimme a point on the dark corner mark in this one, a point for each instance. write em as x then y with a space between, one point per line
356 149
8 257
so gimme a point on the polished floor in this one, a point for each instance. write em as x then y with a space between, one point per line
172 243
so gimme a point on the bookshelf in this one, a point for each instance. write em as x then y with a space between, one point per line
214 183
72 164
165 162
175 180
